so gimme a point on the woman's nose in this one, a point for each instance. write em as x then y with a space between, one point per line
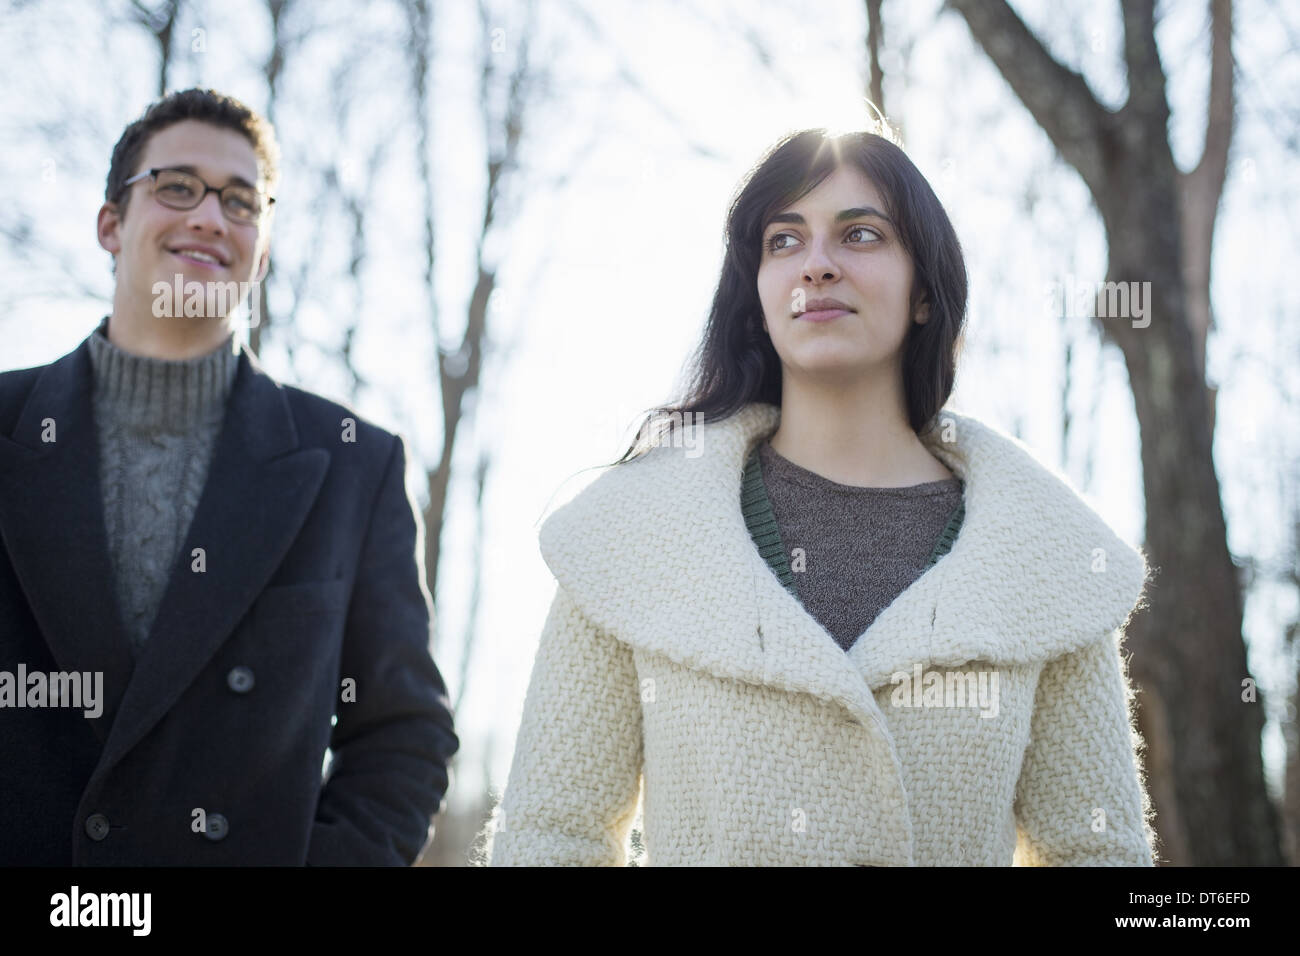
818 265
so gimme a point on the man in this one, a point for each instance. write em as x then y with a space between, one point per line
206 578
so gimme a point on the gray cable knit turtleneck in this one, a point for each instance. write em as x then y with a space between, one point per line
157 424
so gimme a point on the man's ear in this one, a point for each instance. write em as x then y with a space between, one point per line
107 226
265 265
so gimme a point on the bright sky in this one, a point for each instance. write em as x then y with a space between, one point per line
606 281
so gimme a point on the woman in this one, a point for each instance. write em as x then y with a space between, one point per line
812 618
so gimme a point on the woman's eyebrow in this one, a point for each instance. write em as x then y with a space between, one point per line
857 212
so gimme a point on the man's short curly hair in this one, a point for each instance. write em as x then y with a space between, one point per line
210 107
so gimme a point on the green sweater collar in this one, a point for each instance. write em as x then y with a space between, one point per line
761 522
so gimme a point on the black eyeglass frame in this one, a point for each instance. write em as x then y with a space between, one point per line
221 198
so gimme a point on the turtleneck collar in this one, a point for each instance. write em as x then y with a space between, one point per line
160 393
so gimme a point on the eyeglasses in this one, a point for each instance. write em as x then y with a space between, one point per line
178 189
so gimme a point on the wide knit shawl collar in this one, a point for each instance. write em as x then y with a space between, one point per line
656 553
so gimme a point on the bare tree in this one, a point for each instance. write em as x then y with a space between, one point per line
161 22
875 40
459 366
1290 730
272 69
476 587
1202 731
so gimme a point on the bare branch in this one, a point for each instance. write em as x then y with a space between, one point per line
1057 97
476 586
1201 189
875 38
419 21
634 83
1146 77
161 23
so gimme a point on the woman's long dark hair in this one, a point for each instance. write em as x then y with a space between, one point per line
736 363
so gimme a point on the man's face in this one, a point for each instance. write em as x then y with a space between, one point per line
150 241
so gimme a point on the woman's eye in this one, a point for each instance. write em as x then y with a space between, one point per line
863 234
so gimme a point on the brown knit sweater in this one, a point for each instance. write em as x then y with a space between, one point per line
846 552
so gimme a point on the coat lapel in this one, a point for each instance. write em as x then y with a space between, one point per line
1035 571
259 490
656 552
52 523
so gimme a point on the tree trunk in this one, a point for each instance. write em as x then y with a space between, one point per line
1202 729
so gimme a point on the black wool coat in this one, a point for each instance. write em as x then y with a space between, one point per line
308 627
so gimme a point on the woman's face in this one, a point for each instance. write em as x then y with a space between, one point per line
836 243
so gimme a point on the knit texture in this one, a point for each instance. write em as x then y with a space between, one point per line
847 551
676 676
157 422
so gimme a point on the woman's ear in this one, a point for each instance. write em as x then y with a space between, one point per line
923 313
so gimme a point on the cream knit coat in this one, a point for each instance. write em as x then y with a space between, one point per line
674 668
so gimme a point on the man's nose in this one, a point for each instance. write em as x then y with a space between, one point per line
209 213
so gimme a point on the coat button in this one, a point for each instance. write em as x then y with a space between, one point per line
217 827
240 679
97 826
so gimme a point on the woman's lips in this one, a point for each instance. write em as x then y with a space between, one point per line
823 315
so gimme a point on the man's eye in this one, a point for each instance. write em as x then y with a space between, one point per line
176 189
243 204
